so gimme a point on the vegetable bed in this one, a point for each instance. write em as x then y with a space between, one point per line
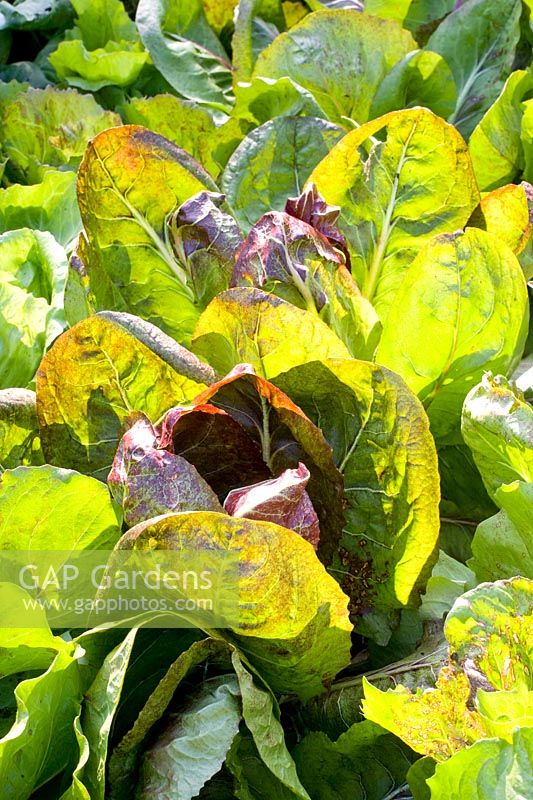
266 271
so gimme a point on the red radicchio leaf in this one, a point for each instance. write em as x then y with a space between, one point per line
286 437
282 500
279 247
216 444
148 481
206 239
311 207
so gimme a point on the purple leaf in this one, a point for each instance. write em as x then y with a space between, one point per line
311 207
148 481
282 248
206 240
282 500
287 437
218 446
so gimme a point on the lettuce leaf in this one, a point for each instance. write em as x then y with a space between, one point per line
480 51
19 429
365 763
129 182
501 546
256 180
49 127
488 769
32 272
343 88
171 769
205 239
48 205
495 145
68 511
115 367
382 447
186 51
258 328
459 290
103 49
297 654
497 425
417 183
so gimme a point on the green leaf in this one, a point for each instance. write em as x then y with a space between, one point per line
102 50
262 720
181 121
382 446
337 710
67 511
491 626
418 774
252 780
434 722
103 21
219 14
49 205
154 650
79 302
299 653
464 497
32 278
19 429
488 769
35 14
186 51
100 706
421 78
24 72
449 579
49 126
505 213
257 23
503 712
489 631
258 328
171 769
27 649
497 425
115 64
415 184
42 740
365 763
459 293
262 99
129 181
480 51
418 16
77 790
344 87
123 761
96 374
495 145
273 162
501 546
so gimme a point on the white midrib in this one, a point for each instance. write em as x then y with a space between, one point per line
374 273
301 285
465 91
150 232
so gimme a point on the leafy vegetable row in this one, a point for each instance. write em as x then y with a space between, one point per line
251 305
